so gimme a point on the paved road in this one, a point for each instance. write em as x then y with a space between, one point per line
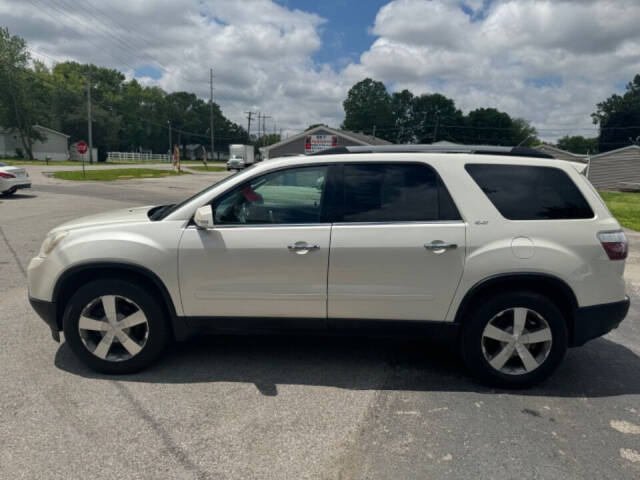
274 408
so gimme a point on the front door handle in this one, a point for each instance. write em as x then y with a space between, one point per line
302 247
438 246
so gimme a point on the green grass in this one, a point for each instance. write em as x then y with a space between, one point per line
207 169
111 174
625 206
65 163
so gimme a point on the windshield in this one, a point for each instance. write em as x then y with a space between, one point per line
163 211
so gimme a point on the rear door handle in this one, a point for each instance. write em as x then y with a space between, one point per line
302 247
438 246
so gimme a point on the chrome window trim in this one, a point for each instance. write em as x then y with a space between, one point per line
401 222
264 225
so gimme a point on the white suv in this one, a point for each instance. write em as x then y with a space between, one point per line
516 258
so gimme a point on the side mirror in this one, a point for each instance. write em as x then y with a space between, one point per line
204 218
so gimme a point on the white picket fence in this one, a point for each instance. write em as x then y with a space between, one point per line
137 157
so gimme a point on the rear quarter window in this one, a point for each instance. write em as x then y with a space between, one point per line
522 192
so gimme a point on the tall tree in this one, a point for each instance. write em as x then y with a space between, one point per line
368 108
578 144
619 118
402 106
435 118
21 95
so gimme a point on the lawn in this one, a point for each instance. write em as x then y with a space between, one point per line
110 174
65 163
625 206
207 169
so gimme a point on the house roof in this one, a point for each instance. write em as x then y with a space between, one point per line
50 130
550 148
360 138
584 158
617 150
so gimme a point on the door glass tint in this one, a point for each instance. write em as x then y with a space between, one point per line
287 196
522 192
395 193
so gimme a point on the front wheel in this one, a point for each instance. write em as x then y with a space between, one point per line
514 340
115 326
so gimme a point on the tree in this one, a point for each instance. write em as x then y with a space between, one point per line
314 125
402 106
619 118
368 108
523 133
489 126
578 144
435 117
21 95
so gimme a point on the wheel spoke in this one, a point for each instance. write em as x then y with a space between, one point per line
87 323
102 350
539 336
519 319
496 333
528 361
109 305
132 320
128 343
503 356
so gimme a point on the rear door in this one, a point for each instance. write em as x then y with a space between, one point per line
398 247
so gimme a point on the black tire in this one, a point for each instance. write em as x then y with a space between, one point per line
11 191
158 337
477 320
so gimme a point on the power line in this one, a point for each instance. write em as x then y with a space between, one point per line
132 47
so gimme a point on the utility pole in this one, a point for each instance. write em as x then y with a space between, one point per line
249 115
89 120
258 127
435 130
211 111
264 124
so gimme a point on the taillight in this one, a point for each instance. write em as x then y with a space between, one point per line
615 244
6 175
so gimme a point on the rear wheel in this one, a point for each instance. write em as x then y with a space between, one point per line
115 326
11 191
514 340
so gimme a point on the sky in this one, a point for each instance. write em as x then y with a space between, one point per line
548 61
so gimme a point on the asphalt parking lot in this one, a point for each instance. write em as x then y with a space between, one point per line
291 408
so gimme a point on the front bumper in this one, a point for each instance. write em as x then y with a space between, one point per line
597 320
47 311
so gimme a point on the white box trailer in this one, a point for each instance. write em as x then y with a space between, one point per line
240 156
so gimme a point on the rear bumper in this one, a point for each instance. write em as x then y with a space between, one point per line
17 183
47 311
597 320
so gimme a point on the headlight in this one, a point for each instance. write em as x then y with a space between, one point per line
51 242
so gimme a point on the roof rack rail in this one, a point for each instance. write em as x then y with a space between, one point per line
427 148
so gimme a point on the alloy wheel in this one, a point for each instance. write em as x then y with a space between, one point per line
516 341
113 328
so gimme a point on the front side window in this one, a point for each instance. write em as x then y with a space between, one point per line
287 196
522 192
395 192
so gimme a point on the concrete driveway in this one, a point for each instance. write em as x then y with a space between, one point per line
292 408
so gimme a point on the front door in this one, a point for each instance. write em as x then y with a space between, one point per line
398 250
267 255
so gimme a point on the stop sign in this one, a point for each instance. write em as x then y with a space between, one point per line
81 147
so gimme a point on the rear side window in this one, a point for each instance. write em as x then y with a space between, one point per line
522 192
395 193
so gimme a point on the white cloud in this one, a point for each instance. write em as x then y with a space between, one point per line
547 61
